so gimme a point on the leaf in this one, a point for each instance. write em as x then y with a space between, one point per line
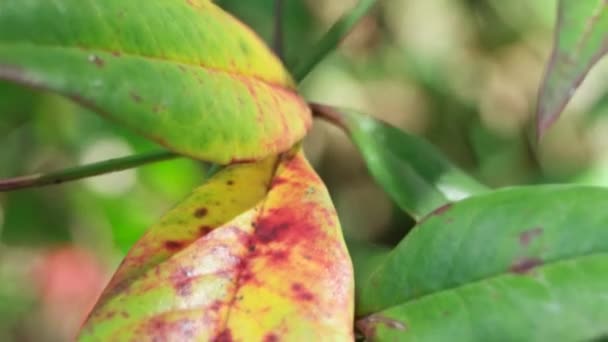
182 73
236 261
581 39
416 176
521 264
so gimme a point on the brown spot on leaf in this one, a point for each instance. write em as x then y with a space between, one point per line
230 182
158 108
204 230
116 53
136 97
224 336
173 246
526 237
438 212
441 210
201 212
98 61
368 325
242 160
525 265
300 293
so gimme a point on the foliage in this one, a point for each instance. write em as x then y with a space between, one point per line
257 251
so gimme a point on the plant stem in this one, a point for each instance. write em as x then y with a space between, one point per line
329 114
277 39
331 39
79 172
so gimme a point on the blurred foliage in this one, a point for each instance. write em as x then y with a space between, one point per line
463 74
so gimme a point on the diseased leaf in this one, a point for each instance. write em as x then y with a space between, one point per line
182 73
521 264
415 174
581 39
247 257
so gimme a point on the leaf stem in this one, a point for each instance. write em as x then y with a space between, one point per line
329 114
79 172
331 39
277 38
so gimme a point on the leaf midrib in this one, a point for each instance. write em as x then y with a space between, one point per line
154 59
486 278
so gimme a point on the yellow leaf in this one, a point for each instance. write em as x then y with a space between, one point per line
256 254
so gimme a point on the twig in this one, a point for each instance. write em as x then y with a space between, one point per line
331 39
76 173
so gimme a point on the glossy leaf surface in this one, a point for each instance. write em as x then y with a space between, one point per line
522 264
248 257
581 39
182 73
413 172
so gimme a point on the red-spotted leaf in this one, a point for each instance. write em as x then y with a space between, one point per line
521 264
182 72
256 254
581 39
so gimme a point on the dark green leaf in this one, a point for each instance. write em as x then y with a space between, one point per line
522 264
413 172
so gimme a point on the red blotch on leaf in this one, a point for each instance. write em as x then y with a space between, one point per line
271 338
224 336
244 272
159 329
272 228
300 293
201 212
525 265
182 281
526 237
278 181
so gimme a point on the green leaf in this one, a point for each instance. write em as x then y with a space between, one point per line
255 254
521 264
580 41
413 172
182 73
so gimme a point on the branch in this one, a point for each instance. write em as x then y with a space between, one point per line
76 173
332 38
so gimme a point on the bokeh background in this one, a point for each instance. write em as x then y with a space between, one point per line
463 74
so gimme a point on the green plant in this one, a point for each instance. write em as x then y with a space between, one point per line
256 252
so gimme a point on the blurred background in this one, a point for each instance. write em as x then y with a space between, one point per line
464 74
